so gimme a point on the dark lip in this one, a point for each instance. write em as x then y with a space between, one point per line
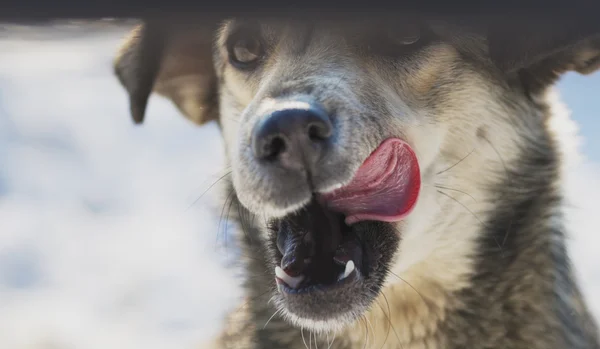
353 278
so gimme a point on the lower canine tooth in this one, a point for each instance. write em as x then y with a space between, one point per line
349 269
291 281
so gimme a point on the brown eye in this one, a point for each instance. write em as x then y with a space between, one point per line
245 49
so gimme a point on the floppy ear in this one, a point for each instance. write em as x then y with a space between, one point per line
172 60
540 50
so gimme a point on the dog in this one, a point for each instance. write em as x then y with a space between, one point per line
396 180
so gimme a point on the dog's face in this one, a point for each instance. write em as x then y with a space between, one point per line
303 106
340 136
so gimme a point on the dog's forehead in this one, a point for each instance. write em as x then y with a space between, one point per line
274 30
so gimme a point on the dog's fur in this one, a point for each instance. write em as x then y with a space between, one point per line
481 262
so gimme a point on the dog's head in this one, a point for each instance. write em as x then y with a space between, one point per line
342 135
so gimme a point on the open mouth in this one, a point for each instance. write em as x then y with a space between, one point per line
326 271
317 250
332 256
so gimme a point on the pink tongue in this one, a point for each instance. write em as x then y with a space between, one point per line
385 188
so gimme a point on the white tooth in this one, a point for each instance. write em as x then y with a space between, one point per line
349 269
291 281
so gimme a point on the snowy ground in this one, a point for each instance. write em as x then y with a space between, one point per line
102 242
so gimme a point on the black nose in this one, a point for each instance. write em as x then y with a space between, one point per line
294 138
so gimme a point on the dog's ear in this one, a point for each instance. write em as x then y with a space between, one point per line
540 50
172 60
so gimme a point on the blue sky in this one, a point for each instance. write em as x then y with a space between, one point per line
581 93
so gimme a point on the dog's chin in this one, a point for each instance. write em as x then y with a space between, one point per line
321 327
328 273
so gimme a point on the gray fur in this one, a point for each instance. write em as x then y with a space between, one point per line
479 126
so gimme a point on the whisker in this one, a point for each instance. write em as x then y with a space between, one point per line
371 326
506 172
390 319
366 332
231 201
464 206
459 161
456 190
257 259
472 213
271 318
250 300
497 153
243 222
230 196
328 342
507 231
387 331
205 191
303 339
411 286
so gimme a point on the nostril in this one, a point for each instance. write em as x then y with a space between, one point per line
319 131
274 148
277 146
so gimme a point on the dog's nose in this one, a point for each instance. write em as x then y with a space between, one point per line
294 138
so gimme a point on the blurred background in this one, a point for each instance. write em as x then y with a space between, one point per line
106 238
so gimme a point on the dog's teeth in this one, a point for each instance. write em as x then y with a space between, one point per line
291 281
349 269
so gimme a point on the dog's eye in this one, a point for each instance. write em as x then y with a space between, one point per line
398 40
245 48
404 34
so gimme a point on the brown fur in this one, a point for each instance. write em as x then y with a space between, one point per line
481 262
